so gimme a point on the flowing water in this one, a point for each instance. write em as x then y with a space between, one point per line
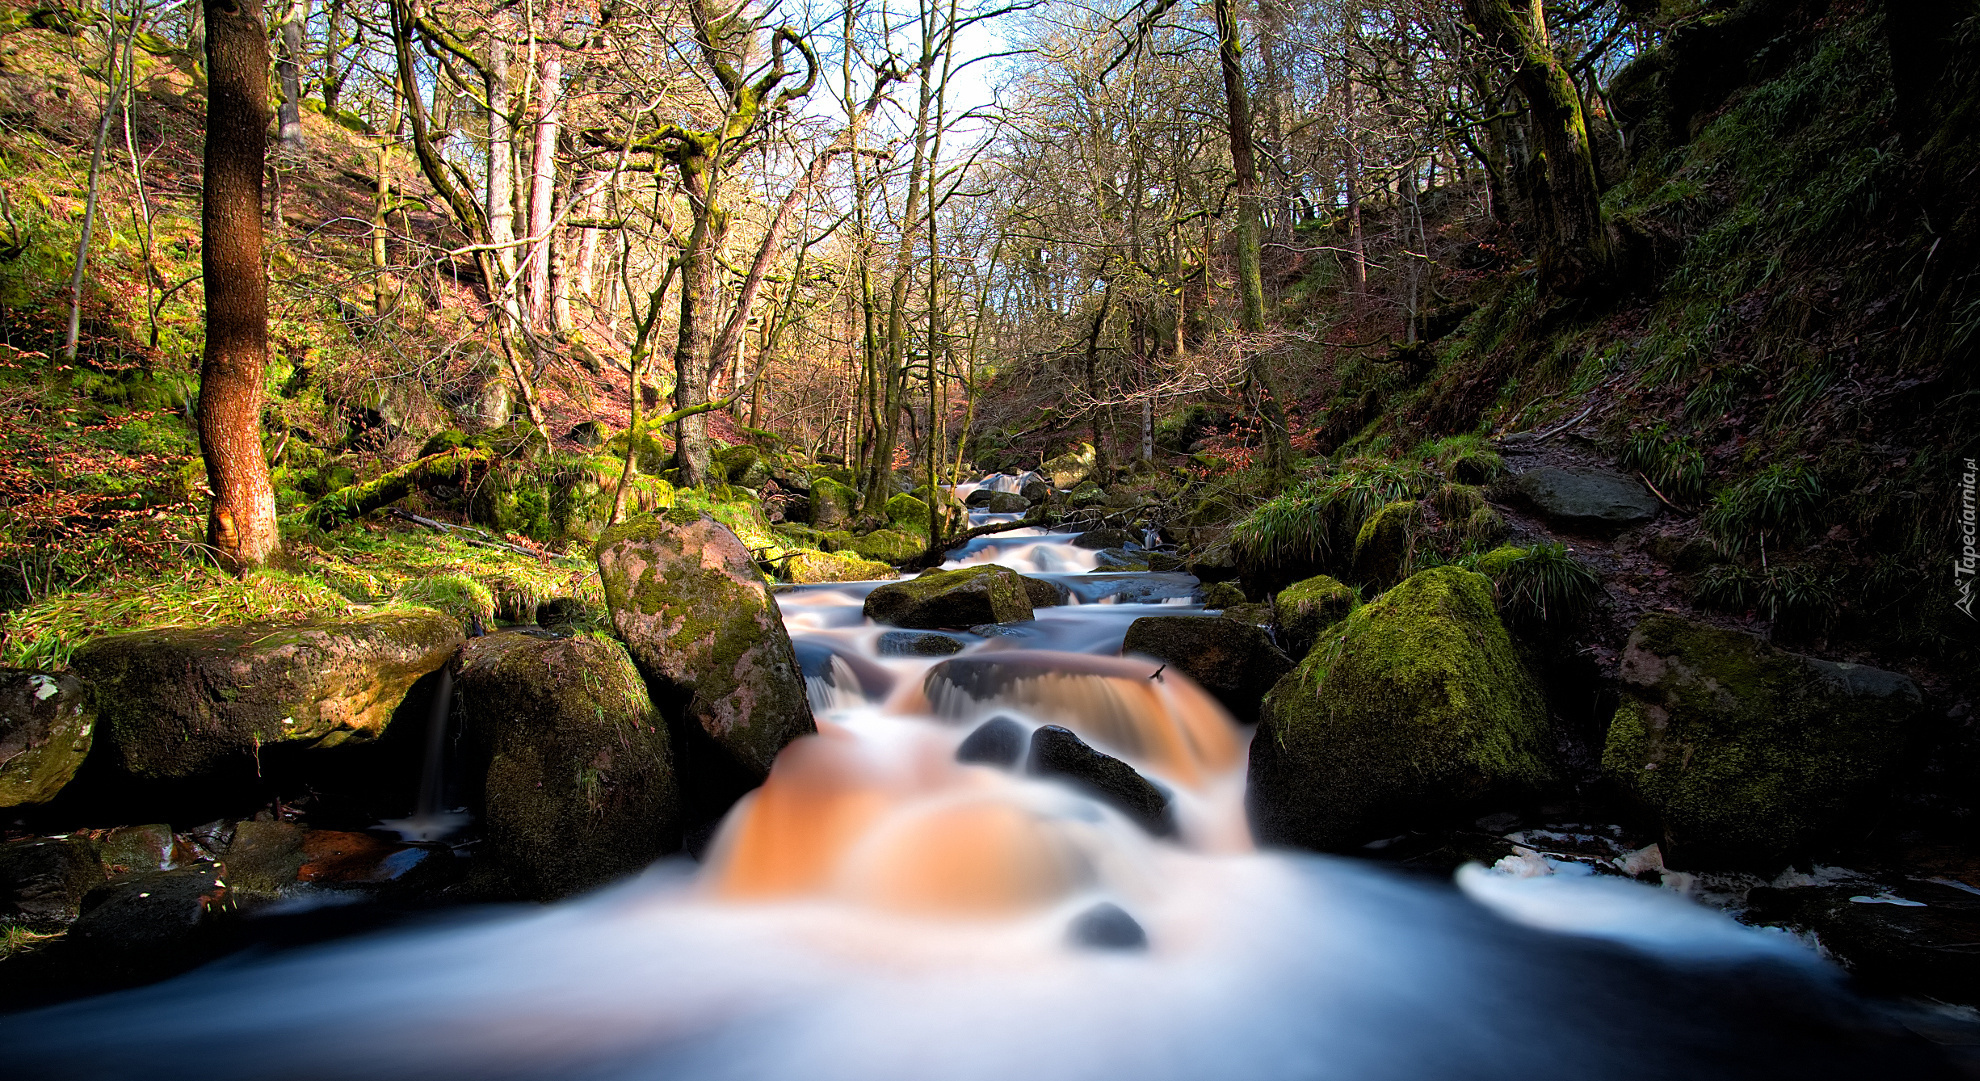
881 911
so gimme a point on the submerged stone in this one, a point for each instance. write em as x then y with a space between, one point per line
1232 659
1106 926
955 598
1415 701
998 741
1749 753
46 727
918 644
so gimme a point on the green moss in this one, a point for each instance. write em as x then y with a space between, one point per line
1494 563
908 514
1416 699
808 567
1307 608
833 504
889 546
1385 549
962 597
455 594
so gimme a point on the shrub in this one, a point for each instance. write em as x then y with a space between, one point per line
1542 585
1671 462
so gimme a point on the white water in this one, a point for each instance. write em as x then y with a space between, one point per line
880 912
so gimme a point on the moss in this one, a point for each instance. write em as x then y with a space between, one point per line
1748 752
889 546
1306 608
455 594
908 514
1494 563
808 567
1385 547
1416 699
832 504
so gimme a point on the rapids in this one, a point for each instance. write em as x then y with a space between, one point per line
880 911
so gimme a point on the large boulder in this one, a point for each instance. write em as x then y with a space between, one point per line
1233 660
908 514
580 784
957 598
45 728
1070 468
189 712
1749 753
1416 701
889 546
808 567
833 504
1308 607
44 879
1385 546
1105 537
1585 500
697 615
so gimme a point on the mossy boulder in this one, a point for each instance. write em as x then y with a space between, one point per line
1749 753
190 711
996 502
1585 500
958 598
46 725
1308 607
697 615
807 567
1223 595
889 546
1386 545
833 504
908 514
1233 660
743 465
1499 560
1087 494
1413 703
1105 537
579 786
1070 468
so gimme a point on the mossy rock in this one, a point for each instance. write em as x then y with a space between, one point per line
1585 500
1306 608
1749 753
908 514
579 786
743 465
689 602
1234 660
889 546
1070 468
1484 527
192 710
807 567
46 726
1385 547
1043 593
833 505
1499 560
1087 494
458 595
654 456
964 597
1221 595
1416 701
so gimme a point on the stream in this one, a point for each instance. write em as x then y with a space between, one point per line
881 911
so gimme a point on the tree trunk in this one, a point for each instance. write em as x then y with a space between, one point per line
241 523
1574 244
695 332
501 197
543 178
113 91
349 504
289 67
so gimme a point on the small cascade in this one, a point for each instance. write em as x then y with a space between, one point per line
430 821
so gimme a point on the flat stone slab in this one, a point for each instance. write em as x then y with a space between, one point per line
1586 498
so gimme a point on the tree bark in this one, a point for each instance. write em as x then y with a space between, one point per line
543 175
501 196
241 523
289 67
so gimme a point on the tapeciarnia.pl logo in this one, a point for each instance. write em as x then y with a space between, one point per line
1968 559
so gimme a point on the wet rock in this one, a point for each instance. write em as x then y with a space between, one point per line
998 741
956 598
918 644
1005 630
1385 547
136 849
820 661
264 857
1058 754
1306 608
1909 938
998 502
1414 702
1747 752
1233 660
833 505
698 618
1120 559
807 567
1585 499
46 878
1070 468
334 858
563 612
187 713
1037 491
1108 537
150 925
1219 595
1106 926
1044 593
46 724
580 785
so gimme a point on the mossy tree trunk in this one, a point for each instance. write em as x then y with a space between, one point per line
1574 244
358 500
241 523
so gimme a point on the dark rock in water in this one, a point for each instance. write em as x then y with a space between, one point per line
1904 937
1585 499
979 498
918 644
579 786
46 878
1306 608
1233 660
1058 753
1043 593
816 661
1037 491
562 612
1130 588
1007 503
1104 538
1748 752
339 859
154 924
1005 630
957 598
45 729
264 857
186 716
1164 562
998 741
136 849
1119 559
699 620
1106 926
1415 702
